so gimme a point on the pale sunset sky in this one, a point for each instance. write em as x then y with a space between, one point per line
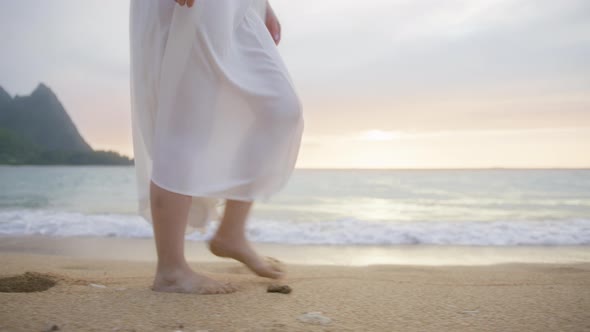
384 83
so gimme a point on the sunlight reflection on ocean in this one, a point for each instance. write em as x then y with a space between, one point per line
488 207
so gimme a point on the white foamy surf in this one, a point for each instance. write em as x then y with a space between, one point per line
21 222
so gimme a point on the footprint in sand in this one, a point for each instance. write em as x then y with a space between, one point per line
27 282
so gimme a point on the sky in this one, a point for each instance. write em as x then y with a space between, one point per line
384 83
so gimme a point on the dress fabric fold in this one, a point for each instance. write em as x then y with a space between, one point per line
214 111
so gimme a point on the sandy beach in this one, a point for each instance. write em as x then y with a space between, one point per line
103 292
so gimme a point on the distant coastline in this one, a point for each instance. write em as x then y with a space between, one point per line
37 130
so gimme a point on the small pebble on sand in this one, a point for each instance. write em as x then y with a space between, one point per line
274 288
314 317
52 327
97 285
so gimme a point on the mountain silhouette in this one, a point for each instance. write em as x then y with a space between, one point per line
37 129
4 98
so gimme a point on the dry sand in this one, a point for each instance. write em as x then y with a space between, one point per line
509 297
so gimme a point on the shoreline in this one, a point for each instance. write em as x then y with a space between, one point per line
143 250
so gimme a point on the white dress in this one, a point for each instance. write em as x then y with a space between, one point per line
214 111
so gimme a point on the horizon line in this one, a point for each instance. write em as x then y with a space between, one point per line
439 168
353 169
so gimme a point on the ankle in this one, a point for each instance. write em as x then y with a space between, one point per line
229 237
172 271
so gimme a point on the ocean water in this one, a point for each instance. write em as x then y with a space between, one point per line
496 207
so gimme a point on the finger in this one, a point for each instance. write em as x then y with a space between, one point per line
190 3
277 33
181 2
273 30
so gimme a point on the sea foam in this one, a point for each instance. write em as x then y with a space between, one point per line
336 232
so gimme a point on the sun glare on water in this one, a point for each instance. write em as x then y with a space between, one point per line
380 135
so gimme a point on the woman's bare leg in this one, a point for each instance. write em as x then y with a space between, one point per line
169 215
230 240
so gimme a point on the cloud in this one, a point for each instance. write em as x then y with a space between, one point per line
408 47
46 40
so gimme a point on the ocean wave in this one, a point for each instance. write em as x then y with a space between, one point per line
338 232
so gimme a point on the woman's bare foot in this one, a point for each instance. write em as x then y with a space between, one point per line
240 250
185 280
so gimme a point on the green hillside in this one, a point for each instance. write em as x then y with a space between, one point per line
36 129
